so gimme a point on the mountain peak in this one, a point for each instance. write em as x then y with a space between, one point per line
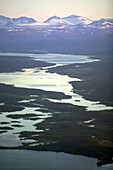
72 16
76 19
53 17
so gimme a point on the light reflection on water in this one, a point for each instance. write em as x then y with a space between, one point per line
61 59
10 138
51 82
39 78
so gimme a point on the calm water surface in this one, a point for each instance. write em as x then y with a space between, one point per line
41 79
31 160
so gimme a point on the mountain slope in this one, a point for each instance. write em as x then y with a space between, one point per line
5 21
102 23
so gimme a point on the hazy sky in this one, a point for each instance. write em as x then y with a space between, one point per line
43 9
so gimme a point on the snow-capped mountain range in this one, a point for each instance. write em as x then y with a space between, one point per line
72 20
71 27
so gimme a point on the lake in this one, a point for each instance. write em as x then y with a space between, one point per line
26 159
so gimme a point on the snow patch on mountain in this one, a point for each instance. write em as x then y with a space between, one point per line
75 19
35 25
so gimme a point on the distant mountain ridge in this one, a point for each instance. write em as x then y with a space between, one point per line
6 21
71 20
70 27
